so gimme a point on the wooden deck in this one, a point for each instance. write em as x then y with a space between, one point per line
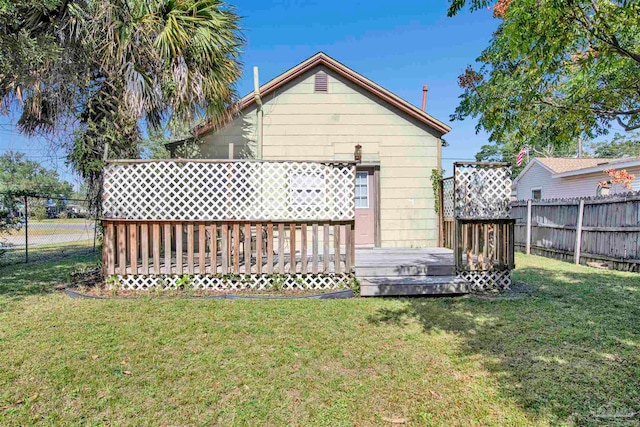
407 271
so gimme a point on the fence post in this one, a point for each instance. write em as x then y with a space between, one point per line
529 227
576 255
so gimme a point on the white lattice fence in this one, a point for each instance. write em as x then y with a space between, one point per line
238 190
487 280
236 282
447 197
482 190
484 231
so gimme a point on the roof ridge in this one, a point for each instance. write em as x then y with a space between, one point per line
321 58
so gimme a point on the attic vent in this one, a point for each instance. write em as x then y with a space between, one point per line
321 83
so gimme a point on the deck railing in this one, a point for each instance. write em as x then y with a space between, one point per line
446 213
224 225
483 238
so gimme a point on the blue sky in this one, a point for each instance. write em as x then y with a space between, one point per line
400 45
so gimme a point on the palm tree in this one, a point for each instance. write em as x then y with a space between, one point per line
92 73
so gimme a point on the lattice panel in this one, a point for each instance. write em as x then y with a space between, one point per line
241 190
235 282
482 191
487 280
447 197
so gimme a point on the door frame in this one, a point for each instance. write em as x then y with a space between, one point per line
374 197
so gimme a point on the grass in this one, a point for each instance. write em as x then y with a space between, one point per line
83 221
51 252
54 226
565 351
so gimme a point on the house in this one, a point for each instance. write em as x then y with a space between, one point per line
322 110
559 177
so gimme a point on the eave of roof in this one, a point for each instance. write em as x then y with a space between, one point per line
529 166
323 59
568 164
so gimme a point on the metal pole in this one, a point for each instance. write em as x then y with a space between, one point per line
528 245
95 231
26 229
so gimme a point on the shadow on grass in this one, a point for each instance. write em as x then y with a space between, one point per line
41 276
46 253
567 350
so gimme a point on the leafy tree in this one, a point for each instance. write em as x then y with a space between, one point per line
620 146
91 73
508 152
555 71
20 176
154 146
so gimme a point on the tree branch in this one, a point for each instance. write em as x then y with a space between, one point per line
626 126
610 39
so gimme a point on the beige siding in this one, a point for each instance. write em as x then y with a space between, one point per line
575 186
302 125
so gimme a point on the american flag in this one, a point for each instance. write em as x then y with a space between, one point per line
520 157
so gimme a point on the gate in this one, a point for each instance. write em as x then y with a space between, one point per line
474 213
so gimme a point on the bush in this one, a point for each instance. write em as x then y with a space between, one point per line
39 213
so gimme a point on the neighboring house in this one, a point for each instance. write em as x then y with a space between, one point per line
321 110
559 177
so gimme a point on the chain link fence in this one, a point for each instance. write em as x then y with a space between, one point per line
44 228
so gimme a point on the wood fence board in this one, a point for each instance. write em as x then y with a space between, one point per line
247 248
144 247
259 248
609 230
202 248
303 248
156 248
269 248
314 248
213 247
190 243
280 248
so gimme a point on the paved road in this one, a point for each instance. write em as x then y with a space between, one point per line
73 226
18 241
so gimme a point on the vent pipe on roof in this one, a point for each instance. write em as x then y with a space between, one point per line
256 94
425 89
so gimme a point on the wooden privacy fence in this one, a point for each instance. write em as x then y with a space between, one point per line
603 229
229 224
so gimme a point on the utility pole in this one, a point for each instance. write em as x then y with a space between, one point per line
579 147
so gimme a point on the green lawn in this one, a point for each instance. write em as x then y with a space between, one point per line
562 351
53 251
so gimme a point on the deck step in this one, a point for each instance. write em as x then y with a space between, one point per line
404 270
420 285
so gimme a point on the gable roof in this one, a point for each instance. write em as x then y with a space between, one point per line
601 166
566 164
560 167
322 58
